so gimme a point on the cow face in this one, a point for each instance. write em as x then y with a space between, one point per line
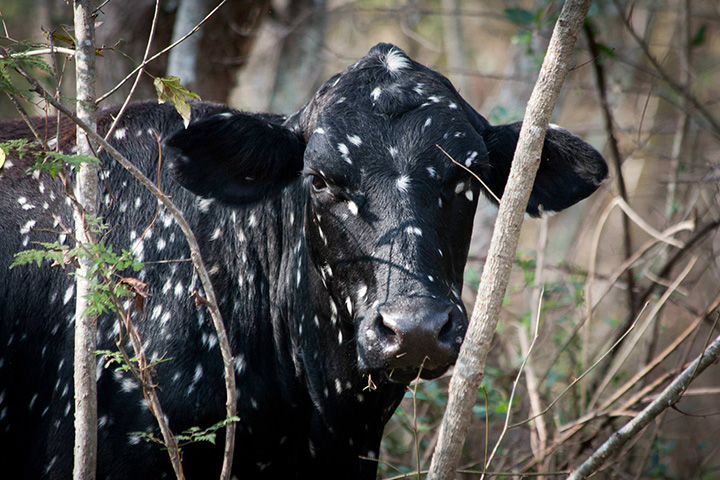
388 154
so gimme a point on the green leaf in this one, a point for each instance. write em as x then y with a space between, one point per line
169 88
519 16
52 251
54 162
700 36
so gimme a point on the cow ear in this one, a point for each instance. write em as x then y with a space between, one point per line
235 157
570 169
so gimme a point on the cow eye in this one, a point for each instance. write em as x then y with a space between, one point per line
318 183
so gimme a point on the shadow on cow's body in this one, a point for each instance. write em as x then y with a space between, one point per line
336 239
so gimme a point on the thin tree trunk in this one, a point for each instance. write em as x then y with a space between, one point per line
470 367
455 44
304 23
182 59
85 455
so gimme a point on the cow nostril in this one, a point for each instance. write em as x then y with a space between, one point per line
385 329
446 330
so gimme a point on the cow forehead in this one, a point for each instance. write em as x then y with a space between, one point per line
417 139
388 108
386 82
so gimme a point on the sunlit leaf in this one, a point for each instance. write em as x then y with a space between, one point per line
170 88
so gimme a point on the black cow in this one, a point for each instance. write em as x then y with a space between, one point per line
336 239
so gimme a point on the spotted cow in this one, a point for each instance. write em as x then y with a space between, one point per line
335 237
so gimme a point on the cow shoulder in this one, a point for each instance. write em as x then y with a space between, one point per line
236 157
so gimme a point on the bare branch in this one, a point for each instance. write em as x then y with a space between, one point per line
160 53
669 397
691 99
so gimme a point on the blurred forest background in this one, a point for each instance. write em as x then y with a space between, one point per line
644 250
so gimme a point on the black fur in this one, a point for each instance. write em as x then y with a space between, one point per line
336 247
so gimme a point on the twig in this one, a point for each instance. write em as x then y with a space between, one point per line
161 52
195 256
25 117
635 380
514 388
684 54
670 395
704 113
538 443
659 236
44 51
615 155
144 376
579 378
628 348
477 177
139 74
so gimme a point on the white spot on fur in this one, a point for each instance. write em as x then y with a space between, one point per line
354 139
414 231
471 158
375 94
68 296
396 61
327 271
25 229
322 235
352 206
362 291
403 183
345 152
204 204
120 133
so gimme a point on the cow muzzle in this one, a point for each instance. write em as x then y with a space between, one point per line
406 341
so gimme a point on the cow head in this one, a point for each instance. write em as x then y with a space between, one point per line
388 154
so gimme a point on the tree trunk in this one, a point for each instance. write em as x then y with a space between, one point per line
85 456
470 366
182 59
299 72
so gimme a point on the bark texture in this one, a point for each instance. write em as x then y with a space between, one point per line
470 367
85 456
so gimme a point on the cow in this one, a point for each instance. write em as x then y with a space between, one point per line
335 237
